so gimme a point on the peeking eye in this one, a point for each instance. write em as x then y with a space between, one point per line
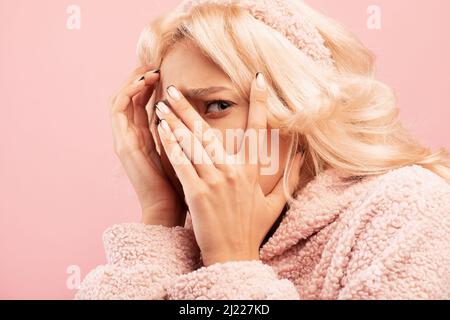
217 106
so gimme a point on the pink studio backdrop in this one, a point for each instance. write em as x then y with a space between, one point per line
60 183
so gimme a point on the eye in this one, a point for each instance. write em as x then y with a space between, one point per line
217 106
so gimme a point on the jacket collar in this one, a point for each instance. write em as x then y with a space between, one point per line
315 206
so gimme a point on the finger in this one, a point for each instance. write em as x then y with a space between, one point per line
255 138
122 108
125 96
138 73
198 126
180 163
150 78
276 200
141 114
133 77
120 117
257 114
190 145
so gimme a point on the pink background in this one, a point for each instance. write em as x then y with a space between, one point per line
60 183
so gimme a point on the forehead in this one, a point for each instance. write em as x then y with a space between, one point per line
185 66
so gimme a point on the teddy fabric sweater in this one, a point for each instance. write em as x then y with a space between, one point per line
374 237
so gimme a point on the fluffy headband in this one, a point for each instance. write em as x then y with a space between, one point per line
279 15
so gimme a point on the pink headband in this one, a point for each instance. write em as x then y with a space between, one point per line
280 16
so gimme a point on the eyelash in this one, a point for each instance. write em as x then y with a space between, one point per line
209 103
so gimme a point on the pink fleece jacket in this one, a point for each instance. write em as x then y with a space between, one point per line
378 237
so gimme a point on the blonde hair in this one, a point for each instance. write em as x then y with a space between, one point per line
342 118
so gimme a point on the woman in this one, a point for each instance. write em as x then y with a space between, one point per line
354 208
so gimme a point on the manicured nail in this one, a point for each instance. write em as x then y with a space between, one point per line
164 125
173 93
149 73
162 107
260 81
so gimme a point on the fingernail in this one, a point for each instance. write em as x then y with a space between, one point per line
173 93
149 73
164 125
260 81
162 107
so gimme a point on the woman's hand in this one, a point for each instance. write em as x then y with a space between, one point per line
230 213
136 150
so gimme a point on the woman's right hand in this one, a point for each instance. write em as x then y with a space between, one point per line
135 147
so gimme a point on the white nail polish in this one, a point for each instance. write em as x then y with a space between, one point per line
164 125
260 81
162 107
174 93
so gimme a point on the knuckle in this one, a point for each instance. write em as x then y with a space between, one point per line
119 99
207 136
231 175
171 138
180 133
112 100
215 182
199 194
122 150
260 99
171 141
183 107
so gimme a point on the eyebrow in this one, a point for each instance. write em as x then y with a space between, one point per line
199 92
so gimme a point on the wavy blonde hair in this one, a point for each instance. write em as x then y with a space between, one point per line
342 118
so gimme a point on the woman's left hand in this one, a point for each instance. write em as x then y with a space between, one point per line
230 213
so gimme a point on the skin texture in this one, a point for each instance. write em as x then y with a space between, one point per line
249 201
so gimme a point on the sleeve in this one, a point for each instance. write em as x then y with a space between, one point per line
141 260
234 280
404 250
